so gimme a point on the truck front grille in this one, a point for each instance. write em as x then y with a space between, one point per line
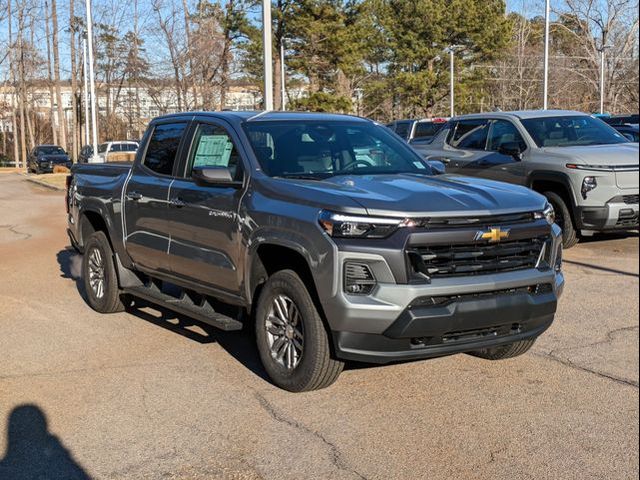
476 259
630 199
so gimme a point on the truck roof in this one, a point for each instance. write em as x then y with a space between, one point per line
261 116
524 114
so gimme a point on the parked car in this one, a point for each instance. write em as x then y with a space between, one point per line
630 132
86 152
124 151
586 169
622 119
417 131
272 220
43 159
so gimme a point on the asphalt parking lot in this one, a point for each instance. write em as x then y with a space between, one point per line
144 395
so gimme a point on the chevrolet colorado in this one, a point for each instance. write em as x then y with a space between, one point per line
326 234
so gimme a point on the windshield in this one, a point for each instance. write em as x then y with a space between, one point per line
317 150
571 131
51 151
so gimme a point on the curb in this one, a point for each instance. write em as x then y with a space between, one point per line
41 183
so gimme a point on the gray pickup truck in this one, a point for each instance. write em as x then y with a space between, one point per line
326 234
587 170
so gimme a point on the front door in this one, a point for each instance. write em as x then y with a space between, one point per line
146 196
204 223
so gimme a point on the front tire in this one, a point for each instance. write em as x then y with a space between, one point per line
563 219
291 338
502 352
99 275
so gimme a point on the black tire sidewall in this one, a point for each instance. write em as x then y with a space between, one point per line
288 283
98 240
569 234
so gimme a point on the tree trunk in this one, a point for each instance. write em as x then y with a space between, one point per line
23 138
56 75
75 148
52 108
14 123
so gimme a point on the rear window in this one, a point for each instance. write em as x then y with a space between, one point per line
163 147
128 147
402 129
427 129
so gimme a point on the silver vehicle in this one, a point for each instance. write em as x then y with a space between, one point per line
587 170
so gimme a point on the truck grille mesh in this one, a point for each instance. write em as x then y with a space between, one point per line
476 259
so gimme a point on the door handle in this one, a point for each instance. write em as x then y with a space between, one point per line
135 196
445 160
177 202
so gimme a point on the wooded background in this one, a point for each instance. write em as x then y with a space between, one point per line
383 59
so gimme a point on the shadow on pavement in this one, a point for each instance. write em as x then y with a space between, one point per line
70 263
238 344
602 269
33 452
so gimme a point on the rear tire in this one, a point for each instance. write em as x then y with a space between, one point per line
563 219
501 352
291 338
99 275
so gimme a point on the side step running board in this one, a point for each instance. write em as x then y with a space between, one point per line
202 311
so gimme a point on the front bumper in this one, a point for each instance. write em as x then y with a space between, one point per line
448 315
47 167
497 313
613 216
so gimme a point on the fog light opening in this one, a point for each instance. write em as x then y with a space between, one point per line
358 279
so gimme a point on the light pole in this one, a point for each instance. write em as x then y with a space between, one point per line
86 89
452 50
92 84
545 88
602 51
266 43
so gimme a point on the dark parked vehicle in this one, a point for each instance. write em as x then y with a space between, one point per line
630 132
85 155
326 234
418 132
632 119
43 159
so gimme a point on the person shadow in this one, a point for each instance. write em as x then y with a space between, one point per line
33 452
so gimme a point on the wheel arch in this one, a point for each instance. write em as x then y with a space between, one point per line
555 182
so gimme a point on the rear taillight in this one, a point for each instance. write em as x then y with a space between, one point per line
67 194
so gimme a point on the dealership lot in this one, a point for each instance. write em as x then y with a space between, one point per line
144 395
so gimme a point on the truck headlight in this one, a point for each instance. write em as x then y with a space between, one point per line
341 225
548 214
588 184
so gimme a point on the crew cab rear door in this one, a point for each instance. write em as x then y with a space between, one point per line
146 195
203 218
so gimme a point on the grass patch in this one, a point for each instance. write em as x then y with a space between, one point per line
54 179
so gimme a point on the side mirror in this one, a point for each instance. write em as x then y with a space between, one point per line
214 176
437 166
511 149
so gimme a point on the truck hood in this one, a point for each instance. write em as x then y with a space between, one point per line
620 154
424 195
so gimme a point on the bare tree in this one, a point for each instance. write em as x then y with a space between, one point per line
56 75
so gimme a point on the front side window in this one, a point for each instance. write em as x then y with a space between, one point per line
470 134
317 149
571 131
128 147
504 133
212 147
163 147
